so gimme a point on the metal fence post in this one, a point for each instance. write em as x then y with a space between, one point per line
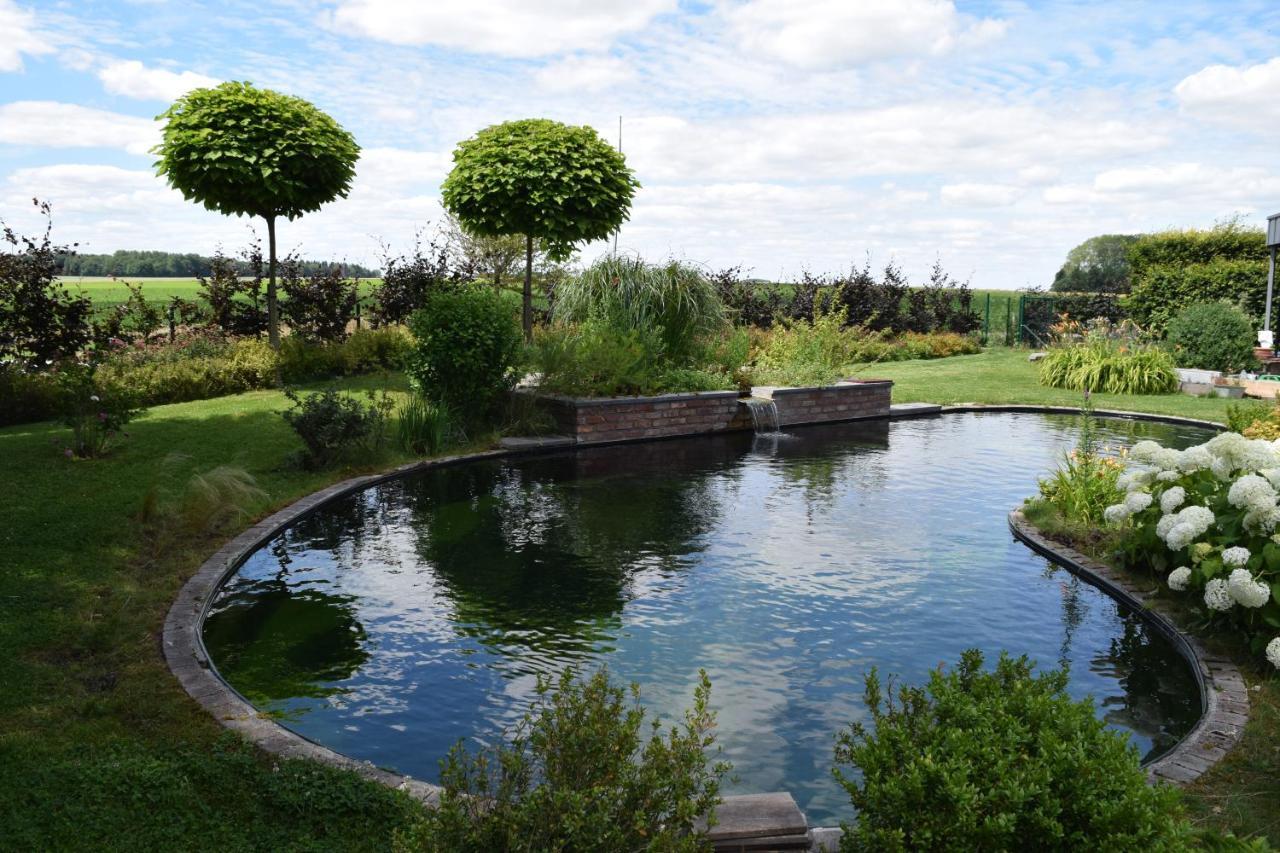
986 323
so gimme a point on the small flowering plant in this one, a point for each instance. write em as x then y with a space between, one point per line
1085 483
1208 515
96 411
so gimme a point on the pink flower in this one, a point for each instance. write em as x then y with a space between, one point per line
67 453
102 416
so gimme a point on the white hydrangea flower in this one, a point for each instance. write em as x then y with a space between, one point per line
1144 451
1195 459
1165 524
1216 595
1137 501
1252 492
1180 535
1178 578
1168 476
1226 444
1166 459
1115 514
1246 591
1264 520
1273 652
1201 551
1236 556
1189 523
1258 455
1172 499
1272 475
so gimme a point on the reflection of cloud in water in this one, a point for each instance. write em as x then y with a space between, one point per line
786 575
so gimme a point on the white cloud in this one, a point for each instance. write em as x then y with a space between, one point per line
844 33
505 27
50 124
134 80
980 195
584 74
19 35
1224 189
1247 95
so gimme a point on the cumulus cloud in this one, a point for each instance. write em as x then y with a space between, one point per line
839 33
1241 95
18 36
51 124
505 27
134 80
1218 187
583 74
980 195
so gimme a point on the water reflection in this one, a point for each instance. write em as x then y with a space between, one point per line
419 611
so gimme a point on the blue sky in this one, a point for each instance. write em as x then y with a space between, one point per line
781 135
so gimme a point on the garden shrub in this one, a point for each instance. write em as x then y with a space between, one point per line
466 349
236 303
317 307
1086 482
1105 366
1210 514
28 395
1212 336
997 760
578 773
95 408
626 294
331 424
423 427
592 360
407 281
205 370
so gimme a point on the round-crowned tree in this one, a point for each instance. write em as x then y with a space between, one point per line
547 181
246 151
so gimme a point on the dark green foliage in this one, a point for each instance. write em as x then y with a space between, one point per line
408 281
1212 336
579 774
1174 269
557 185
40 322
235 302
1001 760
317 307
130 263
1098 265
95 409
331 423
466 349
241 150
424 427
749 302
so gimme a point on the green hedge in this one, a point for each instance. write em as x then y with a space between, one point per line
1161 292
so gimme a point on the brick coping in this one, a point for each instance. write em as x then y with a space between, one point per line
182 641
1224 699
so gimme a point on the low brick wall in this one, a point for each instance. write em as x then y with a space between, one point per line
595 420
843 401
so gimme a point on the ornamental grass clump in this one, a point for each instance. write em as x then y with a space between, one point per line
1085 484
997 760
1208 516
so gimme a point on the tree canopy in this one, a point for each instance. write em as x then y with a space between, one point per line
551 182
241 150
1098 265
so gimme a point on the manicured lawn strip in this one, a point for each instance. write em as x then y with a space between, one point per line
99 746
1002 375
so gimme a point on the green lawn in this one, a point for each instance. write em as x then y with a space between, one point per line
1006 376
100 747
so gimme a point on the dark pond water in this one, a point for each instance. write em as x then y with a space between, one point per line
418 612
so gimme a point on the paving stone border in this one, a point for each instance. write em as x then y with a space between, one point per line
1224 699
747 822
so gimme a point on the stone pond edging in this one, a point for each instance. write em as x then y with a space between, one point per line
1224 699
746 822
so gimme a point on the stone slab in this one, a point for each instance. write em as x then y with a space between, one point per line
758 816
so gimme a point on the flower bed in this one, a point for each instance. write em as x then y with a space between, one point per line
1208 516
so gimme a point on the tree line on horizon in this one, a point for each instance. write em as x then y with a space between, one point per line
126 263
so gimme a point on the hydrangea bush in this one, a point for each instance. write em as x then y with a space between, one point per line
1208 515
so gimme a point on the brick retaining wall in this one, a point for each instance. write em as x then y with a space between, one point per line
840 402
594 420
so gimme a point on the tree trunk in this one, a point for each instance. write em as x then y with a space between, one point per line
273 307
528 288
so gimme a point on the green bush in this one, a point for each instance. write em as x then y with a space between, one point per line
1162 291
1189 247
332 424
1104 366
1212 336
579 774
423 427
1000 760
28 395
674 300
170 375
467 347
1086 482
95 408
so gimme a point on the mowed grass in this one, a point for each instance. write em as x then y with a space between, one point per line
99 746
1004 375
101 749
